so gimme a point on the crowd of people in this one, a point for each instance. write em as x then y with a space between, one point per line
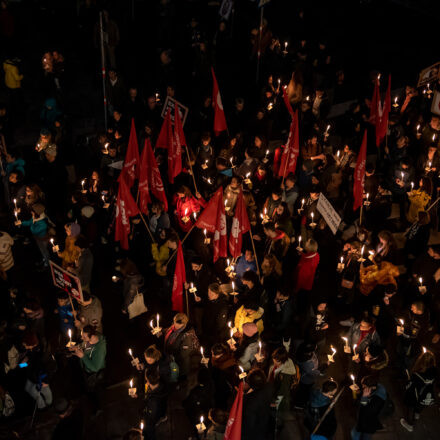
300 299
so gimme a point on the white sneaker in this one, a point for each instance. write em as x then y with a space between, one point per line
347 323
406 425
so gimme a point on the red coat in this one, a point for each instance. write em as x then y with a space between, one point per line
189 204
305 271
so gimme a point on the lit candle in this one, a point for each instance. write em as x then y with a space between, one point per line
131 390
201 426
204 232
354 349
299 241
331 357
346 343
412 186
70 336
279 82
338 153
142 424
402 322
242 375
395 102
368 195
15 204
418 128
429 164
157 320
106 147
157 97
285 46
327 129
342 260
401 174
421 281
267 153
130 353
433 137
195 216
151 324
424 350
209 181
312 215
231 332
352 378
16 215
259 348
302 203
82 183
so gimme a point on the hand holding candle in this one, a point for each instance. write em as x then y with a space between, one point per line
201 426
346 346
70 343
132 390
331 357
243 374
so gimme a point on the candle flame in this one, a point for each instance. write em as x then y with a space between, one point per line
201 419
421 281
241 368
424 349
130 352
142 426
69 333
401 322
333 349
352 377
131 383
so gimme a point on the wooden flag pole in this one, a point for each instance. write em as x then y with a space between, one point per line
255 252
328 410
183 239
191 168
146 225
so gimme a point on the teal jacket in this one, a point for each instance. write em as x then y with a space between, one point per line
38 228
94 356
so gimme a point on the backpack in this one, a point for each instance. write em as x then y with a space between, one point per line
426 394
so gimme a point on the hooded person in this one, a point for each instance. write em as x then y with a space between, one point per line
248 347
249 312
71 252
50 114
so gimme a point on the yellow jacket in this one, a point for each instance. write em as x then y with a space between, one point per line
373 275
71 252
12 77
160 256
241 318
418 200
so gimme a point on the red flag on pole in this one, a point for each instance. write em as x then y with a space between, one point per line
164 140
213 219
179 281
150 180
219 113
291 150
375 100
240 225
359 175
130 170
287 102
233 427
125 208
383 113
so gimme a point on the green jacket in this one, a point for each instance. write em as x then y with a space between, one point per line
94 356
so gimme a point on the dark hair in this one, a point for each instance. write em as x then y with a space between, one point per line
328 386
256 379
280 355
90 330
132 434
277 191
218 349
419 305
250 304
270 226
215 287
370 381
86 296
153 353
196 260
370 168
62 294
251 276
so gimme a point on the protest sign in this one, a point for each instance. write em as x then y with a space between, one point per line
328 212
66 281
169 105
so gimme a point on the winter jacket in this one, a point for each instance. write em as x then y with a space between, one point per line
309 370
354 335
369 410
215 316
132 285
17 165
160 256
224 371
418 200
373 275
243 266
418 388
66 318
199 401
242 318
94 356
85 267
37 226
248 353
155 407
216 432
317 406
305 271
12 76
71 252
283 378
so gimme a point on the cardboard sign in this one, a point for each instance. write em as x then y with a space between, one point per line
430 74
169 105
326 209
66 281
435 106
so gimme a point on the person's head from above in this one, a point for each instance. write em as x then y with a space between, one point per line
219 349
258 141
171 91
15 177
250 279
183 192
405 163
418 308
213 291
206 139
435 122
276 194
347 148
133 434
151 102
426 361
270 229
95 175
235 182
289 181
261 170
38 210
90 335
180 321
152 355
260 114
87 299
369 169
117 115
321 306
313 140
218 417
72 229
369 384
112 74
152 379
112 151
279 356
62 298
250 307
315 191
33 190
402 142
311 245
132 93
172 240
207 102
249 256
366 324
282 209
410 90
256 379
30 340
165 57
282 295
329 388
50 153
196 264
373 352
239 104
157 208
386 238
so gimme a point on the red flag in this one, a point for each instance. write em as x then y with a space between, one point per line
375 102
287 102
175 150
291 150
213 219
240 225
219 113
233 427
125 208
179 281
359 175
130 171
150 180
164 140
382 120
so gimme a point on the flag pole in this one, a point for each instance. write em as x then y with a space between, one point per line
285 167
191 168
360 217
255 252
181 242
187 302
146 225
328 410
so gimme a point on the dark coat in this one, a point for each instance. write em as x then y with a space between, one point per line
370 407
214 321
155 407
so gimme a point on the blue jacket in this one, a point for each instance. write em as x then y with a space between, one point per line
17 165
243 266
65 313
38 228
